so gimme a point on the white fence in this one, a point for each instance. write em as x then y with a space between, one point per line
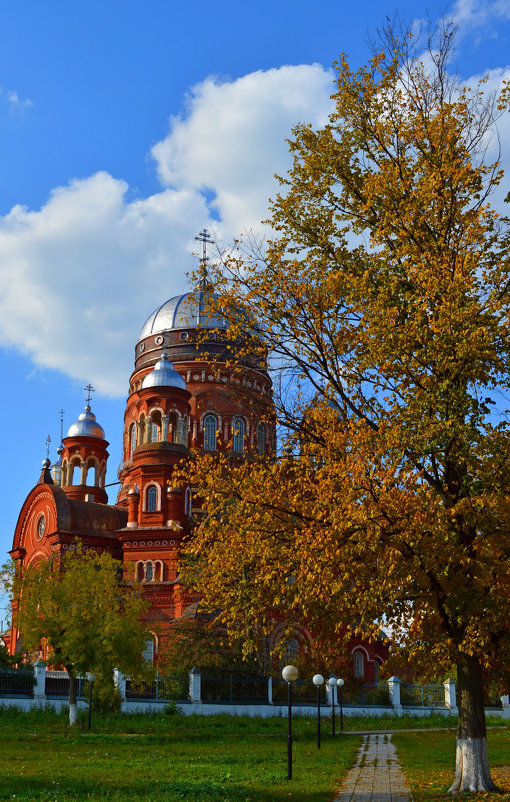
238 695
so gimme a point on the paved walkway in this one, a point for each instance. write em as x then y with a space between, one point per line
377 775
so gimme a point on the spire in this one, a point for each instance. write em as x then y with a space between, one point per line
204 237
61 412
45 477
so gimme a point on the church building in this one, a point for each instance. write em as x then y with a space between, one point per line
182 396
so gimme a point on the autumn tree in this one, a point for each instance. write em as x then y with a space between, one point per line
87 619
383 300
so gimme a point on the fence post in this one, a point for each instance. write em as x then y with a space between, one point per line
119 680
40 681
195 685
270 690
331 692
505 703
394 690
450 696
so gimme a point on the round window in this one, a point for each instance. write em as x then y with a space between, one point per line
141 347
40 527
183 336
159 340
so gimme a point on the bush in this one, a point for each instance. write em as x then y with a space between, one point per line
106 697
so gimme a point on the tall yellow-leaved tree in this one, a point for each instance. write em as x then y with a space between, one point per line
384 302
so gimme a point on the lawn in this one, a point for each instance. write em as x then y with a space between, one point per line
428 760
172 757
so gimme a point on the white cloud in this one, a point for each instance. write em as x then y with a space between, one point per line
473 14
231 138
16 102
80 275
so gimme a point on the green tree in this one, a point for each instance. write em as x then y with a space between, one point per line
384 302
86 617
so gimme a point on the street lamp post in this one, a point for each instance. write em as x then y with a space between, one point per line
290 675
332 686
90 677
318 680
340 685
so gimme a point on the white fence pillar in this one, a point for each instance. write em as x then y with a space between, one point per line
40 681
394 690
450 696
270 690
195 685
119 680
505 702
331 692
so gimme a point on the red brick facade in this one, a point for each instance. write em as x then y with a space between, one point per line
197 403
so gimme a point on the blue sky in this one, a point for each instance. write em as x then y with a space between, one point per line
125 128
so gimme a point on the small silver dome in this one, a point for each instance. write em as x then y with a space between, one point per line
188 311
164 375
86 425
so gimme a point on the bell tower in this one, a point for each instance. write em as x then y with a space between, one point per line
84 458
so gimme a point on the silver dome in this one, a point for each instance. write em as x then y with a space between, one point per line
86 425
164 375
188 311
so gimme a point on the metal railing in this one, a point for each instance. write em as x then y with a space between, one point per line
17 681
303 692
160 688
366 694
421 695
234 688
57 684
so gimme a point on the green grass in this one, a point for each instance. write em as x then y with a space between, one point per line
428 760
146 758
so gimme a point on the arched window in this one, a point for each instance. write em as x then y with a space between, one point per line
238 430
149 572
132 439
359 665
152 499
210 428
154 433
292 651
75 474
148 653
188 501
261 439
376 670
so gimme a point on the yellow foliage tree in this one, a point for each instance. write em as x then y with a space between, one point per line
384 303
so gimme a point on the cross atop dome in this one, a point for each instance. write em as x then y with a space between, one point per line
90 390
205 238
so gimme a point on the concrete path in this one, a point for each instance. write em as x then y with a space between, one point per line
377 775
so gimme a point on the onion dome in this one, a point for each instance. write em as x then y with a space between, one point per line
86 426
188 311
164 375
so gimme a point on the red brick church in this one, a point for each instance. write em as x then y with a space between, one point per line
182 396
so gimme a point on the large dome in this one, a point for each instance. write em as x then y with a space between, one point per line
188 311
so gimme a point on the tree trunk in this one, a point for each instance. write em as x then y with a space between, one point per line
472 772
73 707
